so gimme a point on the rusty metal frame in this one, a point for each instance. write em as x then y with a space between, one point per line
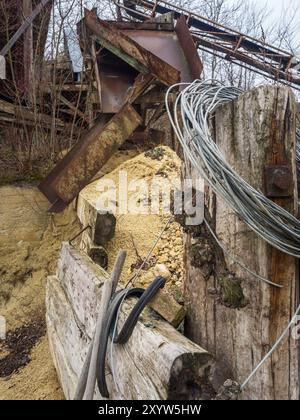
130 51
142 26
226 43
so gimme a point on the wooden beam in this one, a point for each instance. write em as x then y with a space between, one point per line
77 88
21 115
167 307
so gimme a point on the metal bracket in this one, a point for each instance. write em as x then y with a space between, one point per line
279 182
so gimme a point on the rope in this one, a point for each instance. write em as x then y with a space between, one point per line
195 104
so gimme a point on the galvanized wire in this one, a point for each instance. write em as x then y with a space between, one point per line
298 147
190 119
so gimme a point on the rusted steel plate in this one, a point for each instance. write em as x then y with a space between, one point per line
189 48
130 51
155 96
166 46
114 86
142 82
85 160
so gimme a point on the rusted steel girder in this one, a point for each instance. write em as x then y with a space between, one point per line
85 160
130 51
189 48
214 38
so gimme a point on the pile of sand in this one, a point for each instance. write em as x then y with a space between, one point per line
23 274
136 233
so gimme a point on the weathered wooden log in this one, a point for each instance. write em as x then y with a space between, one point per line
157 362
237 317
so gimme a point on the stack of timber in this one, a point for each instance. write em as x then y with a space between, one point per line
157 363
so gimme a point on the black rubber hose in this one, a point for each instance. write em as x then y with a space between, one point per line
109 322
128 328
130 324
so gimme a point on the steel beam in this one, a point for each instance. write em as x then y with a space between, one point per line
86 159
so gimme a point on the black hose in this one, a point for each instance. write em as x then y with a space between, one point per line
128 328
133 318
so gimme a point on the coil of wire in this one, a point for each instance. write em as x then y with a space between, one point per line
190 119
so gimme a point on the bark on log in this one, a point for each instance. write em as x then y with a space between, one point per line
256 130
157 362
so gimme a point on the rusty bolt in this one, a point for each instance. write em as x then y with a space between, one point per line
279 181
282 179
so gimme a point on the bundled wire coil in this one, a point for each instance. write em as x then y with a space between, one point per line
195 105
298 147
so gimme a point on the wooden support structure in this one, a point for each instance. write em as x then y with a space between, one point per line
21 115
66 88
75 110
157 363
235 316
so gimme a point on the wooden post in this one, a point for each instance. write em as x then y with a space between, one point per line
235 316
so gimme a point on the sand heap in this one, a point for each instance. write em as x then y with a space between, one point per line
136 233
30 241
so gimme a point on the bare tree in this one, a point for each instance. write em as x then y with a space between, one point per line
252 18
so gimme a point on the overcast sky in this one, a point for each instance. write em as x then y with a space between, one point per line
282 7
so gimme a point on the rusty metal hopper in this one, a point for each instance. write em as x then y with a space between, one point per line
133 59
169 45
